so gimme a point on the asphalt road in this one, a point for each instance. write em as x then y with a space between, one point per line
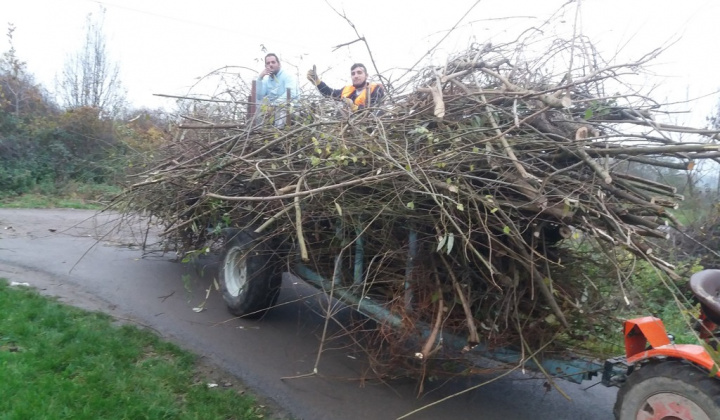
86 261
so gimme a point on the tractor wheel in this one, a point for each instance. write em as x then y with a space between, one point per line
249 283
669 390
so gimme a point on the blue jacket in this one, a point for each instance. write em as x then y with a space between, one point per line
272 88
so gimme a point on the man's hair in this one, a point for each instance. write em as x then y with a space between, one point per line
272 55
356 65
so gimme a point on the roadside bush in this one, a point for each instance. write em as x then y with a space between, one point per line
17 170
15 181
89 192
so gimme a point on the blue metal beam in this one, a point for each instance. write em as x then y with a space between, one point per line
574 369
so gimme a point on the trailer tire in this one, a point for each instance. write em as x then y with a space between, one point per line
669 390
249 281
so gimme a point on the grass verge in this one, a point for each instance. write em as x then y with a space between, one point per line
39 201
70 195
60 362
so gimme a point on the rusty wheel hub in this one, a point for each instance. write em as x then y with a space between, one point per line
670 406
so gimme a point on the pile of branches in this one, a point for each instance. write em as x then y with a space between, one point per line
468 191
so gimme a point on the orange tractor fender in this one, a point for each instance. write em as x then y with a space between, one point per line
646 338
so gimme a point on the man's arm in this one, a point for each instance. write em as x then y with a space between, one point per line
324 89
260 88
328 91
377 95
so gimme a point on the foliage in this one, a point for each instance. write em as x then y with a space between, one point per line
74 146
665 298
143 132
48 151
700 237
608 299
58 362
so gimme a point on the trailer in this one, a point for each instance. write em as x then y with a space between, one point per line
657 379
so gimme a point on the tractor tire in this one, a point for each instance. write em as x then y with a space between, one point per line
669 390
249 281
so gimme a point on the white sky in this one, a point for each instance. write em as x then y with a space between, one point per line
163 46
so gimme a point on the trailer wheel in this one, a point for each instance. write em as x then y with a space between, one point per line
669 390
249 283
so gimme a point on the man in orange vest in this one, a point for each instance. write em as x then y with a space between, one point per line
360 94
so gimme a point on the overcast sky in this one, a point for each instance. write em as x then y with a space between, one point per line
163 46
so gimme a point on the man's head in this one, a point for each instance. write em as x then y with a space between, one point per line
272 63
358 73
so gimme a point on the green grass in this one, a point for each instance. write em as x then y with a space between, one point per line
60 362
72 195
39 201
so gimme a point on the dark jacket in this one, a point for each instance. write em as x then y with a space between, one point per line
360 100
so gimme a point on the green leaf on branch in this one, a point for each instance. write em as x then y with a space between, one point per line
450 242
442 243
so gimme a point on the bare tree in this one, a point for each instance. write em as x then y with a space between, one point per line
18 92
90 79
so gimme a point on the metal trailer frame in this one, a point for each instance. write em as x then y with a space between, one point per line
574 369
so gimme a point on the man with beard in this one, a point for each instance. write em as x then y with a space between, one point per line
272 85
361 94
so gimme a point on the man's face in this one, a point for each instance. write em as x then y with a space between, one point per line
272 65
358 77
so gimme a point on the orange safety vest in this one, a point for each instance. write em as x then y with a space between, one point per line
361 99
